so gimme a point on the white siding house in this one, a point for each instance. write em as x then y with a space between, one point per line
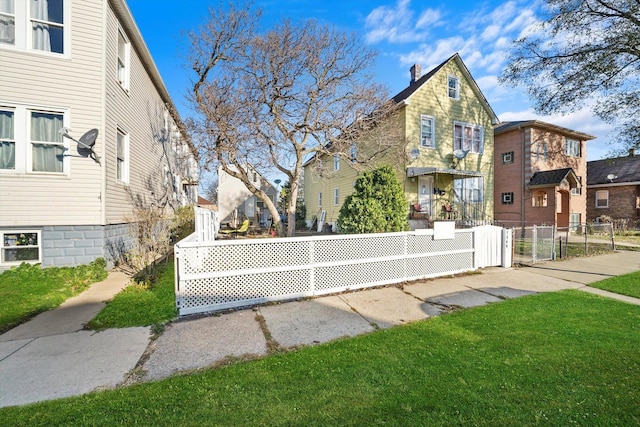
236 202
81 64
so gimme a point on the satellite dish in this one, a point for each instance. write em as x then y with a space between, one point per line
460 154
86 143
611 177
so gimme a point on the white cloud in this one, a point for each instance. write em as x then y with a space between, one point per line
396 24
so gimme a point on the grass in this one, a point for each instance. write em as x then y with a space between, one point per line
551 359
141 304
27 290
628 284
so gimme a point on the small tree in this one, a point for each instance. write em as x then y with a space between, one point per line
378 204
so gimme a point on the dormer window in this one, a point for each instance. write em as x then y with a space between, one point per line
453 87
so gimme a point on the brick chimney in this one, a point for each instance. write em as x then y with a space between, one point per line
415 71
632 152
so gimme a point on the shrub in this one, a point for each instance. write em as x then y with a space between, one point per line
378 204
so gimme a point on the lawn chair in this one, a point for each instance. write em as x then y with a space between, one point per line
235 231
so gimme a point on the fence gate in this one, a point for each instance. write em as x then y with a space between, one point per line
533 244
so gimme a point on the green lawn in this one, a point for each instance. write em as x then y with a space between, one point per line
29 289
140 304
629 284
566 358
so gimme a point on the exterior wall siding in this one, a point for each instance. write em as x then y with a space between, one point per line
51 81
622 203
430 99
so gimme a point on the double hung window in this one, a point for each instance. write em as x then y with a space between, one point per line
18 246
427 134
602 199
453 87
36 25
122 156
572 148
468 137
30 141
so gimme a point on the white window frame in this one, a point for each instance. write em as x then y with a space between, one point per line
5 245
507 157
122 137
22 138
469 133
320 199
336 163
353 152
427 136
11 139
598 199
123 65
507 198
336 196
572 148
453 91
23 36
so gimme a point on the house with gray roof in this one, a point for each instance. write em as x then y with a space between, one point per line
613 190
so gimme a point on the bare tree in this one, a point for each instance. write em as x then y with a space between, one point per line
588 49
268 101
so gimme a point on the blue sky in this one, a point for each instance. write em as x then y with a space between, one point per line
404 32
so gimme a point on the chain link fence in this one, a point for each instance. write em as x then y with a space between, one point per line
543 243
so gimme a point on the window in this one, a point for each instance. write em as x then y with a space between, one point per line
572 148
122 157
602 199
427 137
541 152
539 199
319 199
470 190
353 153
453 87
7 140
19 246
35 25
336 197
30 141
123 60
7 22
468 137
507 157
336 163
47 147
507 198
577 190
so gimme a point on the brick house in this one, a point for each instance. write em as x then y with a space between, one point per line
540 171
613 190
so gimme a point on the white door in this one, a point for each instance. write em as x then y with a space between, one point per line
425 193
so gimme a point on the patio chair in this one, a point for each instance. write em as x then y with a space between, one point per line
235 231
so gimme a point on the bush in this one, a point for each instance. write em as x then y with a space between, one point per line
378 204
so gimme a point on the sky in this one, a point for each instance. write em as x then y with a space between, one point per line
404 32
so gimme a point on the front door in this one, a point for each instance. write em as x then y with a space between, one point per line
425 193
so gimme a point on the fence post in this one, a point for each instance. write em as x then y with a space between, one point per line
534 244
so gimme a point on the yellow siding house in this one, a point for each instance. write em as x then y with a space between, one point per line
445 161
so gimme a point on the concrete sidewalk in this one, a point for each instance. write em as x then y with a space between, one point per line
52 356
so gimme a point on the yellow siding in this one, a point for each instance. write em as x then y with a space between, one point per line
430 99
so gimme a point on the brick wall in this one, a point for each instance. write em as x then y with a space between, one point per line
622 203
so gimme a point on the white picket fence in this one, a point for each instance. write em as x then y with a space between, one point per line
223 274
